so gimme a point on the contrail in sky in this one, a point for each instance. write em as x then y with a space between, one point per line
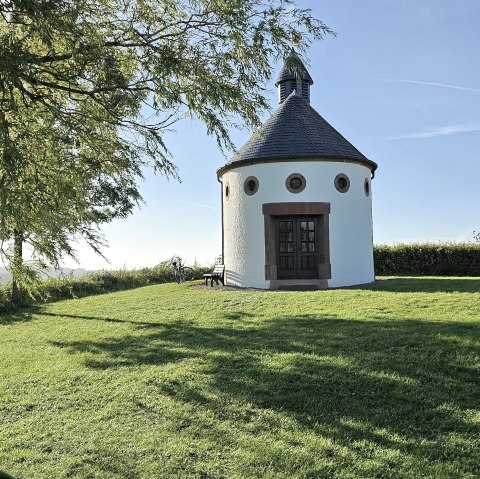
442 85
440 131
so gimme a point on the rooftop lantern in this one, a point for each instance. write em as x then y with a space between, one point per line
293 78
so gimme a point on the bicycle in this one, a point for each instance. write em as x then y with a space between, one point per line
180 272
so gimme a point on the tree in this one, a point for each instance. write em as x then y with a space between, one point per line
87 90
56 187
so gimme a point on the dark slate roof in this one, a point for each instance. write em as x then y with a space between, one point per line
286 74
296 131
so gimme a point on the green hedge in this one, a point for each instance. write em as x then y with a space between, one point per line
54 289
428 259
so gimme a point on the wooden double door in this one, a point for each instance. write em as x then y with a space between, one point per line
297 247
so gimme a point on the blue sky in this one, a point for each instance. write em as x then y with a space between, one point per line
401 81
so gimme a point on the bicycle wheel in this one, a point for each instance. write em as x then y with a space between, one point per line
188 273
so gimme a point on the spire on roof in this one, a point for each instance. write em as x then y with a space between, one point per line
293 77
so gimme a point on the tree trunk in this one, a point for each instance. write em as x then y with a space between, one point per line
16 265
17 296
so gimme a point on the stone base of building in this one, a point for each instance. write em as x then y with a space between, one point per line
298 284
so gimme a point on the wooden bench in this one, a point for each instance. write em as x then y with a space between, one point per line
218 274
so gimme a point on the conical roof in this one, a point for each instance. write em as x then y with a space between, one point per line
296 131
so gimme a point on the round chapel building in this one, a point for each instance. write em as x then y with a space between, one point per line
297 201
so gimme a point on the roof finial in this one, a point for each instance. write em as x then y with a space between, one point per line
293 64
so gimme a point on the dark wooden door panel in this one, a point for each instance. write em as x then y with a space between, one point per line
286 247
308 262
287 262
297 247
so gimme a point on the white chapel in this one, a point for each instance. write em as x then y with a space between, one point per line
297 200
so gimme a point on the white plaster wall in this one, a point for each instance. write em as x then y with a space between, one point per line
351 243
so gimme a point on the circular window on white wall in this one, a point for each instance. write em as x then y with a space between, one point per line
295 183
366 186
251 185
342 183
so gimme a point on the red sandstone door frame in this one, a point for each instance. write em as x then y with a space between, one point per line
319 211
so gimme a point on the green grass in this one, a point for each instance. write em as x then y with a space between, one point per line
171 381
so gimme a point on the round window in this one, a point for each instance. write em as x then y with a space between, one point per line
366 186
295 183
342 183
251 185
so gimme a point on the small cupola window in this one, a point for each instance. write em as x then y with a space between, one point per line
306 90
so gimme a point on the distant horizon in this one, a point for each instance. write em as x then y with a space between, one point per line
209 262
106 267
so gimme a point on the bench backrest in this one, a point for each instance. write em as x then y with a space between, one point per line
219 269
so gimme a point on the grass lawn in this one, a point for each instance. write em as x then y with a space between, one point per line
174 381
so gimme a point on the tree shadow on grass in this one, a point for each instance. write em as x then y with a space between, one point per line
21 316
29 313
4 475
128 350
422 284
102 462
40 312
403 385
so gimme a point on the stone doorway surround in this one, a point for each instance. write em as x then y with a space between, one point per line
321 211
